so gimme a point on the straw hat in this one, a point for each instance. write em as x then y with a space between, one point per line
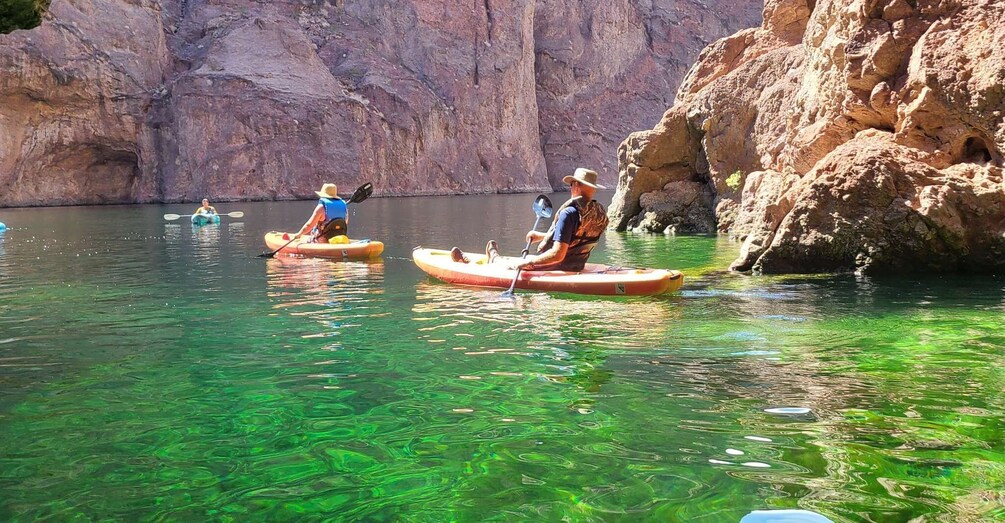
585 177
328 190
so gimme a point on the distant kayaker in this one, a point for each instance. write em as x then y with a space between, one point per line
206 208
330 217
574 232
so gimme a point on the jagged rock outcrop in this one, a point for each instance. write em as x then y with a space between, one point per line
858 135
172 100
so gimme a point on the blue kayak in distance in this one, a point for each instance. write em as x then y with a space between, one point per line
205 219
3 227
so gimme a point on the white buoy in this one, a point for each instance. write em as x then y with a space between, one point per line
788 410
784 516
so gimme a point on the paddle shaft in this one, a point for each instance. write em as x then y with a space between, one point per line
273 253
526 250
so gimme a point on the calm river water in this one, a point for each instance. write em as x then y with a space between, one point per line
150 370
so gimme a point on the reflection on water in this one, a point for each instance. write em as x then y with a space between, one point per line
557 319
690 254
308 281
162 371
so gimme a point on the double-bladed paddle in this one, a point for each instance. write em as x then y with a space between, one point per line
171 217
362 192
542 208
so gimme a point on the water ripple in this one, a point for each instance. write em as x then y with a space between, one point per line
165 372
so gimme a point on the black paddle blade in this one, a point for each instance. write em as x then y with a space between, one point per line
363 192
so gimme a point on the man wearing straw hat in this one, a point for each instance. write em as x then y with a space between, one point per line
574 232
330 217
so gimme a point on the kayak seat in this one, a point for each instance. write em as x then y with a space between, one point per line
336 227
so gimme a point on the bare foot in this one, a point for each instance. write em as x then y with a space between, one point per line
458 256
491 250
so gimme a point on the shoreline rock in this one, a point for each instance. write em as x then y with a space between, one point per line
840 136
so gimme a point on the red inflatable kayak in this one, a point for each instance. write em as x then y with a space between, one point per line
594 279
354 250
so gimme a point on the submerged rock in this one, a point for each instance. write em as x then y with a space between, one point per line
862 135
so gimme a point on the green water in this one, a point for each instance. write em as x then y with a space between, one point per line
150 370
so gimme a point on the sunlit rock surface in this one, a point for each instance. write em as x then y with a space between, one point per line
862 135
141 100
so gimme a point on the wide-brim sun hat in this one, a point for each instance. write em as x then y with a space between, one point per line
328 190
585 177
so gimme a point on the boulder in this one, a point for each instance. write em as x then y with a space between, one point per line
862 135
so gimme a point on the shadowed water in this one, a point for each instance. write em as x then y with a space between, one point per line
156 370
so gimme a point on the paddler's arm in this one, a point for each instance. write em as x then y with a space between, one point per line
535 236
565 226
319 213
553 255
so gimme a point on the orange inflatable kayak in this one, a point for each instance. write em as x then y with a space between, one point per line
354 250
594 279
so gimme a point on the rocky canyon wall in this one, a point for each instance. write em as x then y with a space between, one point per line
171 100
841 135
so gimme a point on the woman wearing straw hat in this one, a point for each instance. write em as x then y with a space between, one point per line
330 218
574 232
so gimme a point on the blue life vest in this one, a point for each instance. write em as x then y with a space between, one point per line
334 223
334 208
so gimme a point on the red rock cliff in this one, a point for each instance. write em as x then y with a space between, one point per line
144 100
842 135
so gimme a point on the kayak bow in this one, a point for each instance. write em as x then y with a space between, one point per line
205 219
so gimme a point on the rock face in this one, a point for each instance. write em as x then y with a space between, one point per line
860 135
173 100
608 67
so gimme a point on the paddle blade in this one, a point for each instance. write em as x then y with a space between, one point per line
171 217
542 207
236 214
363 192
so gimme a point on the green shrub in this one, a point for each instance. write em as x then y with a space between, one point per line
21 14
735 180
